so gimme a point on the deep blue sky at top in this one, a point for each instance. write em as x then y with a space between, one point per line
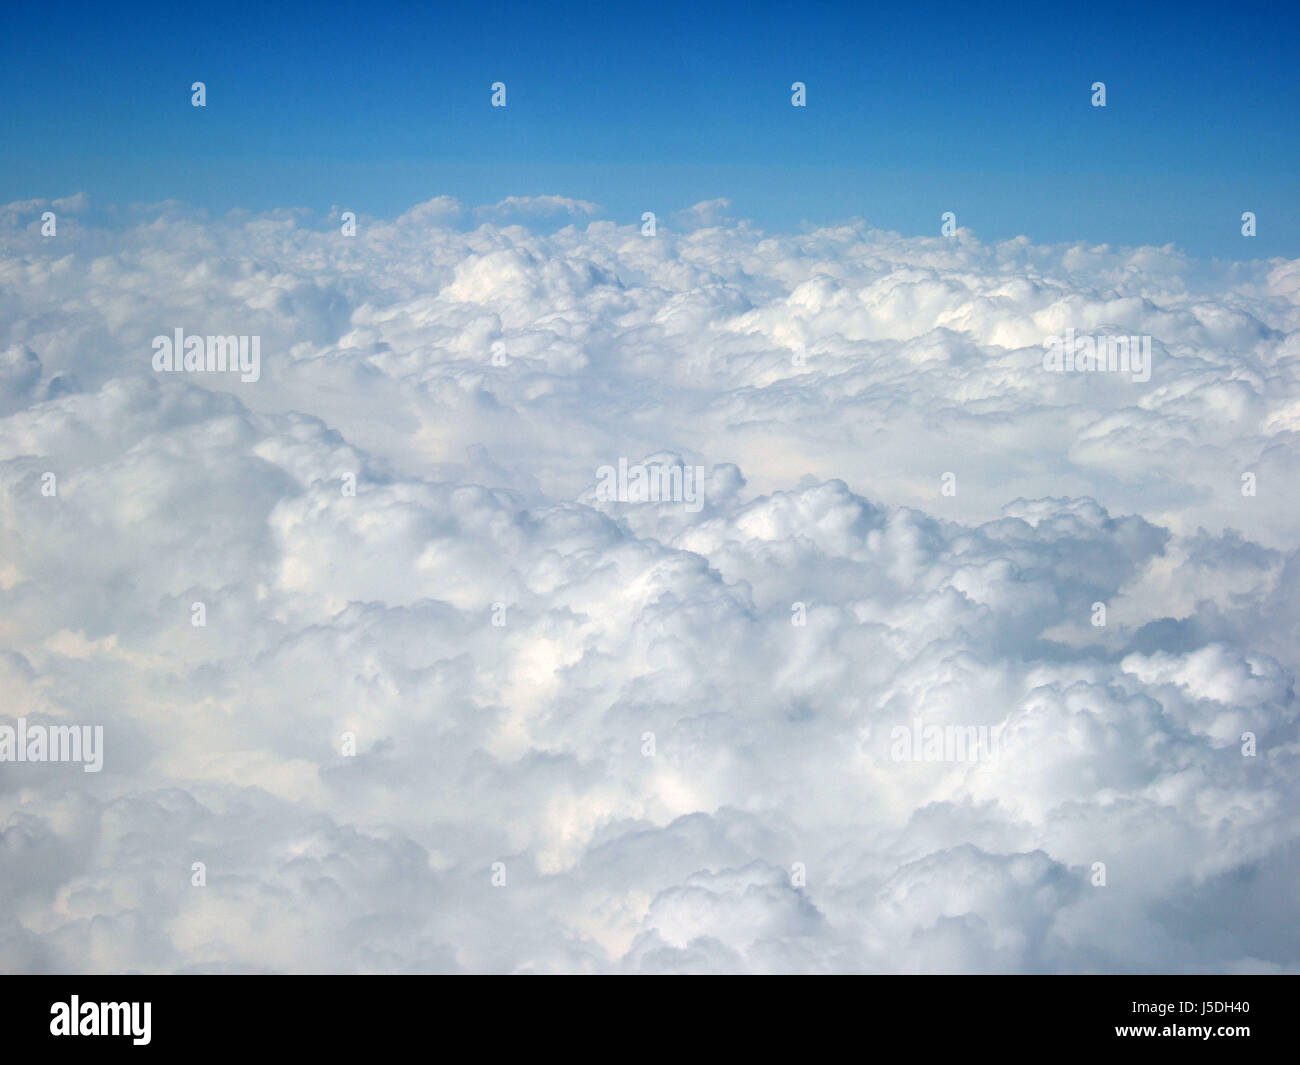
913 109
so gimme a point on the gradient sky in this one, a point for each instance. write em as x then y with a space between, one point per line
913 109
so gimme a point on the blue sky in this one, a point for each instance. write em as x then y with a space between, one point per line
913 109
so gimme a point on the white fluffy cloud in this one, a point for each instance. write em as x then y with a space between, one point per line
473 374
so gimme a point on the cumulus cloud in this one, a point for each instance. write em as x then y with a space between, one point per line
601 732
525 207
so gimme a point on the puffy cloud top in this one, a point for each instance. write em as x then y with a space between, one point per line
855 710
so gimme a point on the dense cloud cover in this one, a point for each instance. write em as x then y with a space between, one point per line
473 370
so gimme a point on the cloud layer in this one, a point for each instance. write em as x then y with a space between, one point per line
670 731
